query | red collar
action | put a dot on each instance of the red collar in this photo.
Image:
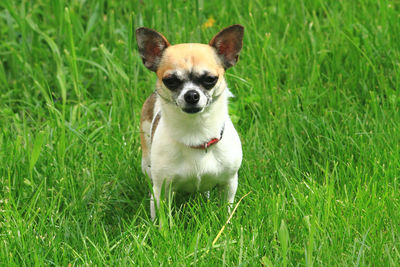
(211, 142)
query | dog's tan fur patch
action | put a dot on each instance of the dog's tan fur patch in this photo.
(145, 123)
(191, 57)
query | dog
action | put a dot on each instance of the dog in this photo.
(188, 140)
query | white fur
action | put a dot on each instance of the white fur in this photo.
(186, 169)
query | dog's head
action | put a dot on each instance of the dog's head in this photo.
(190, 75)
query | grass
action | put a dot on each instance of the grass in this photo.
(317, 109)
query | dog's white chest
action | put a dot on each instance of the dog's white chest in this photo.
(200, 171)
(189, 170)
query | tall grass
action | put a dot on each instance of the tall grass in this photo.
(316, 106)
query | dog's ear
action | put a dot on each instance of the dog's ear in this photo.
(228, 44)
(151, 47)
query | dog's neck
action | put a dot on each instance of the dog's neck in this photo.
(195, 129)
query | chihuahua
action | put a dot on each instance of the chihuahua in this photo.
(187, 137)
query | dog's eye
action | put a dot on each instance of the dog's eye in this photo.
(172, 82)
(209, 81)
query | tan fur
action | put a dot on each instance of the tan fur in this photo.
(146, 119)
(154, 125)
(190, 57)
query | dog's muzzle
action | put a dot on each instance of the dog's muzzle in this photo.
(191, 97)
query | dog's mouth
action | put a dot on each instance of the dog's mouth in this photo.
(192, 110)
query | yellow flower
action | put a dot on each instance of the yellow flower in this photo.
(209, 23)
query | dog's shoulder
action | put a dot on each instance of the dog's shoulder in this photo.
(146, 120)
(148, 108)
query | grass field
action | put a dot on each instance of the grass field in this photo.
(317, 108)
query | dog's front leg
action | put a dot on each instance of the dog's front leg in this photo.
(230, 190)
(156, 194)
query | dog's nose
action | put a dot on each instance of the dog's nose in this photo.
(192, 97)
